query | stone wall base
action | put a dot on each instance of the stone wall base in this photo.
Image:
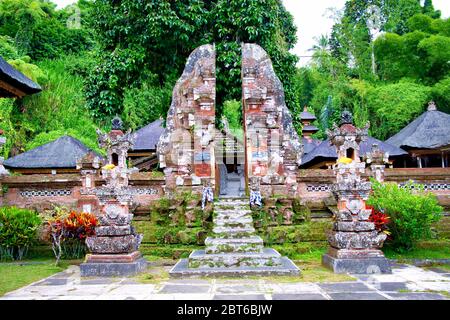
(367, 265)
(113, 265)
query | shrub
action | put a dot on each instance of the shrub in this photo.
(18, 229)
(68, 232)
(411, 212)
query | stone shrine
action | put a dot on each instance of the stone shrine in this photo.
(354, 242)
(114, 248)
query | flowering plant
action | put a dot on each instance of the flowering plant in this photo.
(380, 219)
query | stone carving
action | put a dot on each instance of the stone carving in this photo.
(186, 148)
(354, 242)
(114, 248)
(273, 147)
(377, 160)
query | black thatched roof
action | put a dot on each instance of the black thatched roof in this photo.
(326, 151)
(60, 153)
(310, 145)
(16, 79)
(147, 137)
(431, 130)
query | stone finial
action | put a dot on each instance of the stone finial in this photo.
(432, 106)
(346, 117)
(117, 123)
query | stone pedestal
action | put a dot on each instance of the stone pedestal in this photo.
(234, 249)
(114, 247)
(113, 265)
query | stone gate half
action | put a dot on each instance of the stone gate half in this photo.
(273, 148)
(185, 149)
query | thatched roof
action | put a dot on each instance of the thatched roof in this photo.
(60, 153)
(431, 130)
(147, 137)
(309, 145)
(305, 115)
(16, 80)
(326, 151)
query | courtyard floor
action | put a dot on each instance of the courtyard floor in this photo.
(405, 283)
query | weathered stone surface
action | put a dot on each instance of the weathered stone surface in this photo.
(120, 244)
(111, 258)
(234, 249)
(113, 269)
(356, 240)
(365, 265)
(273, 147)
(113, 230)
(186, 148)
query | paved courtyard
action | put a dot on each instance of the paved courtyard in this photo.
(406, 283)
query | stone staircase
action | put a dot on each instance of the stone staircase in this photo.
(234, 248)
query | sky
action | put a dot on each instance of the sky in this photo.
(312, 18)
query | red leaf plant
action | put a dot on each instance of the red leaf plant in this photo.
(380, 219)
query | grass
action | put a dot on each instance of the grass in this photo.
(21, 273)
(433, 249)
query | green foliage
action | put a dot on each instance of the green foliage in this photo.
(145, 104)
(40, 30)
(411, 212)
(17, 232)
(232, 111)
(7, 49)
(394, 106)
(441, 94)
(143, 38)
(58, 110)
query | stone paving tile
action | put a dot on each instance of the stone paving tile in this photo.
(345, 287)
(357, 296)
(137, 289)
(435, 285)
(438, 270)
(171, 288)
(301, 296)
(239, 297)
(238, 289)
(301, 287)
(98, 281)
(189, 281)
(52, 282)
(417, 296)
(390, 286)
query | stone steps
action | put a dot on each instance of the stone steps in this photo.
(267, 258)
(220, 245)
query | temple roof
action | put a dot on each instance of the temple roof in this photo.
(326, 150)
(309, 145)
(430, 130)
(60, 153)
(305, 115)
(147, 137)
(15, 80)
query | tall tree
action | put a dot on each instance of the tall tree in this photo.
(139, 39)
